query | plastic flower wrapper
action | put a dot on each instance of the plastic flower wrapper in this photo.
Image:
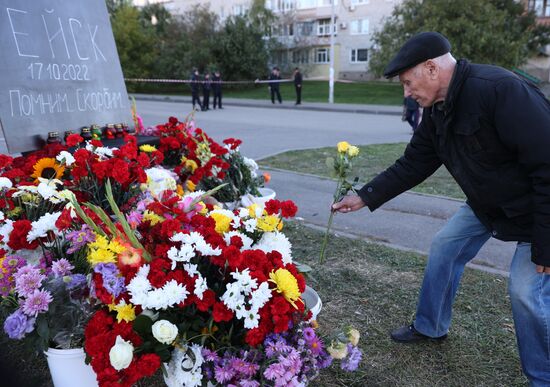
(339, 168)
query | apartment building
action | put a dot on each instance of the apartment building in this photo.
(539, 65)
(303, 30)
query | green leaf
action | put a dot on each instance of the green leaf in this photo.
(142, 325)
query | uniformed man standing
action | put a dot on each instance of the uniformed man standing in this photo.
(217, 89)
(195, 87)
(298, 85)
(274, 78)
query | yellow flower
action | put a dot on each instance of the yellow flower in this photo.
(255, 211)
(353, 336)
(125, 312)
(343, 146)
(269, 223)
(353, 151)
(223, 222)
(147, 148)
(101, 256)
(116, 247)
(287, 285)
(190, 186)
(101, 243)
(48, 168)
(179, 190)
(152, 217)
(189, 164)
(338, 350)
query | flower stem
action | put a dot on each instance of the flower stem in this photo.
(325, 239)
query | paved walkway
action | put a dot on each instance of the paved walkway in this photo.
(407, 222)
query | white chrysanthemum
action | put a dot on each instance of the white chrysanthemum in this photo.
(250, 225)
(207, 249)
(5, 183)
(276, 241)
(24, 189)
(243, 212)
(174, 292)
(246, 240)
(156, 299)
(183, 254)
(138, 286)
(160, 180)
(42, 226)
(200, 286)
(102, 152)
(191, 268)
(260, 296)
(5, 231)
(46, 190)
(2, 217)
(251, 319)
(251, 164)
(245, 281)
(66, 158)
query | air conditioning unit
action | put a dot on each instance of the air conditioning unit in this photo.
(351, 7)
(343, 25)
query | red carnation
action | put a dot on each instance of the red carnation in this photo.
(288, 209)
(74, 139)
(220, 312)
(18, 236)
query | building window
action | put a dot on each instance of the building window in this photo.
(305, 28)
(359, 1)
(540, 7)
(304, 4)
(240, 10)
(300, 56)
(359, 27)
(323, 27)
(280, 5)
(359, 55)
(322, 55)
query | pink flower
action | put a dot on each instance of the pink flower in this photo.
(37, 302)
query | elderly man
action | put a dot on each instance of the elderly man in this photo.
(491, 130)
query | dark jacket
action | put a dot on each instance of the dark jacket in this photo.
(216, 84)
(274, 77)
(298, 79)
(206, 85)
(195, 83)
(493, 135)
(411, 104)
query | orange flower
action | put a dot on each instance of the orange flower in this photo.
(130, 256)
(48, 168)
(267, 177)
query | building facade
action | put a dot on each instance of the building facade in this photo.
(303, 29)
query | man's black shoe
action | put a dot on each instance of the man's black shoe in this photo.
(407, 334)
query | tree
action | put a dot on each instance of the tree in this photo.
(135, 43)
(485, 31)
(241, 49)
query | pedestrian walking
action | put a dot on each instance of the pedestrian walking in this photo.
(195, 87)
(491, 130)
(298, 85)
(206, 87)
(274, 79)
(217, 89)
(411, 112)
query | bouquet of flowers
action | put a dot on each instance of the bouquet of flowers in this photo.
(241, 177)
(339, 168)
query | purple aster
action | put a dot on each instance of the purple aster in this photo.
(13, 262)
(223, 374)
(274, 371)
(75, 281)
(27, 280)
(37, 302)
(17, 325)
(209, 355)
(309, 334)
(351, 362)
(249, 383)
(61, 267)
(79, 238)
(316, 346)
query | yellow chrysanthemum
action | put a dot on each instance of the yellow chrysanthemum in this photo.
(152, 217)
(353, 151)
(116, 247)
(101, 243)
(203, 210)
(223, 222)
(147, 148)
(179, 190)
(343, 146)
(48, 168)
(190, 165)
(268, 223)
(254, 210)
(101, 256)
(190, 186)
(125, 312)
(287, 285)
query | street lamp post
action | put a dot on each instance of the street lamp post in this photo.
(331, 54)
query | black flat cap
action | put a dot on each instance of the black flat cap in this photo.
(419, 48)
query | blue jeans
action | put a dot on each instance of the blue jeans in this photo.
(454, 246)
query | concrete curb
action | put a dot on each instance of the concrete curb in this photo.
(314, 106)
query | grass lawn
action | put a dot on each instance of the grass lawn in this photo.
(374, 288)
(379, 93)
(372, 159)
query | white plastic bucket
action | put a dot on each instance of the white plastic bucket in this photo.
(313, 302)
(266, 195)
(68, 368)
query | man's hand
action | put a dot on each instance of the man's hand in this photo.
(543, 269)
(348, 204)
